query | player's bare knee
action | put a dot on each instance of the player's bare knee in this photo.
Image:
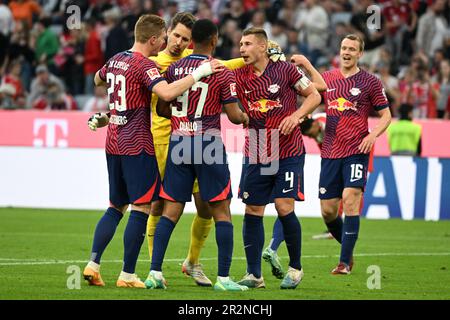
(144, 208)
(329, 209)
(284, 207)
(122, 209)
(254, 210)
(351, 199)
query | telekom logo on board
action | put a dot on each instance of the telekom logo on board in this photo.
(50, 133)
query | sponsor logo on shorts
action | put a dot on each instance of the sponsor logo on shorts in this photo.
(245, 195)
(322, 190)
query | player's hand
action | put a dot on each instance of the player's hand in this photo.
(309, 116)
(207, 68)
(216, 66)
(300, 61)
(245, 121)
(367, 143)
(288, 124)
(98, 120)
(274, 51)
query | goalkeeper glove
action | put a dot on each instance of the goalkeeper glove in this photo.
(98, 120)
(274, 51)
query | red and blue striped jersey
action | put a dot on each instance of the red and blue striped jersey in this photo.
(197, 111)
(348, 104)
(268, 99)
(130, 77)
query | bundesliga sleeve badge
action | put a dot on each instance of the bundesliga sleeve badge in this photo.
(153, 73)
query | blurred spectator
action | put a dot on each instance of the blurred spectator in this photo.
(290, 13)
(187, 5)
(99, 102)
(401, 21)
(432, 31)
(405, 136)
(135, 10)
(97, 10)
(7, 92)
(93, 56)
(55, 99)
(259, 20)
(72, 54)
(279, 35)
(313, 26)
(237, 12)
(116, 38)
(21, 50)
(418, 90)
(390, 84)
(293, 45)
(204, 12)
(226, 43)
(12, 78)
(24, 10)
(6, 28)
(373, 38)
(41, 83)
(171, 11)
(443, 80)
(47, 44)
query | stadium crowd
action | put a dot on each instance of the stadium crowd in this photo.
(44, 64)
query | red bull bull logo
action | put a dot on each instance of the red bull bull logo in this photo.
(264, 105)
(342, 104)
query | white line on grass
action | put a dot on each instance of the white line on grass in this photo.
(31, 262)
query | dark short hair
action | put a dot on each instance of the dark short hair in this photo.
(187, 19)
(306, 125)
(203, 31)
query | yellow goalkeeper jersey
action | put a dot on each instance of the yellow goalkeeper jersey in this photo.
(160, 125)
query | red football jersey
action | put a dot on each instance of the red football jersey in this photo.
(197, 110)
(130, 77)
(348, 104)
(268, 99)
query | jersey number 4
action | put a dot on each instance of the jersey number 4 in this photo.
(120, 104)
(184, 99)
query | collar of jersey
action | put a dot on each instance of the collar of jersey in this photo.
(197, 56)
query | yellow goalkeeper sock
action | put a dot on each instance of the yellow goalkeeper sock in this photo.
(151, 227)
(199, 232)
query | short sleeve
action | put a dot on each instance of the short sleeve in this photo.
(377, 95)
(299, 78)
(103, 71)
(150, 74)
(228, 92)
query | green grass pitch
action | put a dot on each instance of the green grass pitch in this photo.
(38, 247)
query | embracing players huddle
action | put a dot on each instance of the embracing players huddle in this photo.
(163, 148)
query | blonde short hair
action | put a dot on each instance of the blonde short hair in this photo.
(147, 26)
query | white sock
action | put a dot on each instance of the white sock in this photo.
(126, 276)
(94, 266)
(223, 279)
(157, 274)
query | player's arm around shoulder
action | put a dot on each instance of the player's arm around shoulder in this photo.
(170, 91)
(311, 102)
(301, 61)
